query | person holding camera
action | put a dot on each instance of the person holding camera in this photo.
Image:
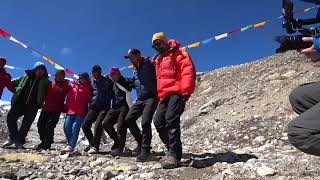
(304, 131)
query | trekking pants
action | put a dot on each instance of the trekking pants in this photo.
(304, 131)
(96, 117)
(145, 109)
(167, 123)
(29, 113)
(47, 122)
(116, 116)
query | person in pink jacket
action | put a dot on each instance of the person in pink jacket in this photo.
(78, 99)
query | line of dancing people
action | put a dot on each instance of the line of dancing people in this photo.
(163, 85)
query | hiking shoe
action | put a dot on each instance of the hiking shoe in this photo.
(19, 146)
(7, 143)
(163, 158)
(87, 148)
(116, 152)
(40, 147)
(143, 157)
(115, 146)
(68, 149)
(170, 162)
(136, 151)
(93, 150)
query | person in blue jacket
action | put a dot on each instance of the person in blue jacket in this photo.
(144, 81)
(99, 106)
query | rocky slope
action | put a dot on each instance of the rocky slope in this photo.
(234, 127)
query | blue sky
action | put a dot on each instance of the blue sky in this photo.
(81, 33)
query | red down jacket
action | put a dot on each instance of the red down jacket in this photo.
(78, 98)
(56, 95)
(175, 72)
(5, 81)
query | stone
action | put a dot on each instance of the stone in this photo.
(211, 105)
(156, 166)
(272, 77)
(22, 173)
(146, 175)
(50, 175)
(259, 140)
(133, 168)
(289, 74)
(217, 177)
(265, 171)
(112, 174)
(64, 156)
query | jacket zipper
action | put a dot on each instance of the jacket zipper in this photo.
(34, 83)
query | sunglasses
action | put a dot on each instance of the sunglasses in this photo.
(156, 43)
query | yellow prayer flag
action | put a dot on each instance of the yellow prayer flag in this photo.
(48, 59)
(194, 45)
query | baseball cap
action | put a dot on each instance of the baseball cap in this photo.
(132, 51)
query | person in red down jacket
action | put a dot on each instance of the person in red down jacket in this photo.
(78, 99)
(5, 78)
(53, 107)
(175, 74)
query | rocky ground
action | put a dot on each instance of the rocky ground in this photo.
(234, 127)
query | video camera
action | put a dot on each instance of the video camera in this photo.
(296, 25)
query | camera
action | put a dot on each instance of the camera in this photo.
(291, 43)
(295, 25)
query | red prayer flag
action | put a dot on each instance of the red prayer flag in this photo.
(4, 34)
(234, 31)
(69, 72)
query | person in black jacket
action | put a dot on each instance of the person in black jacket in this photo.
(144, 81)
(118, 112)
(98, 109)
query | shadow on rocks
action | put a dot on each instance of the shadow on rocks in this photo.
(209, 159)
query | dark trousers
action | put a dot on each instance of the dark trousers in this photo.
(145, 109)
(96, 117)
(167, 123)
(47, 122)
(116, 116)
(29, 113)
(304, 131)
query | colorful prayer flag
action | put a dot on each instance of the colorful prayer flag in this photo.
(246, 28)
(308, 9)
(69, 79)
(207, 41)
(58, 67)
(194, 45)
(69, 72)
(4, 34)
(48, 59)
(221, 36)
(260, 24)
(76, 76)
(16, 41)
(123, 68)
(8, 67)
(298, 11)
(234, 31)
(185, 48)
